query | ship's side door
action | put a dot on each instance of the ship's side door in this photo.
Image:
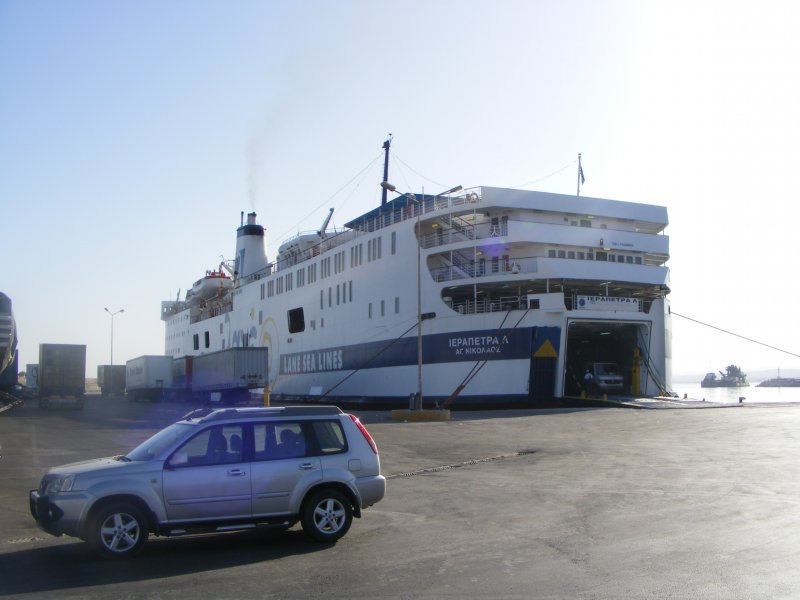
(207, 478)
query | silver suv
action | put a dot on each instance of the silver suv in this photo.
(219, 470)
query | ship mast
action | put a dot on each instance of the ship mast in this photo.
(386, 146)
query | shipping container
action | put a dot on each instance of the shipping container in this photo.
(62, 372)
(111, 379)
(228, 375)
(32, 375)
(148, 377)
(182, 378)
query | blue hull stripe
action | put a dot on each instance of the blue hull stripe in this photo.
(471, 346)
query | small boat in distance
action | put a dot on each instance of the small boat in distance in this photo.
(732, 377)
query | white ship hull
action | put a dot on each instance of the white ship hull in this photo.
(518, 288)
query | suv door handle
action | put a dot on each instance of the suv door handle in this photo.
(236, 472)
(306, 466)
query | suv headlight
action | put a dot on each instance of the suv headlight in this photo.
(61, 483)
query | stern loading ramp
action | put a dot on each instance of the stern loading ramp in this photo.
(590, 341)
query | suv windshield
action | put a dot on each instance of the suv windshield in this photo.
(605, 369)
(153, 446)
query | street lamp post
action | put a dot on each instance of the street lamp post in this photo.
(121, 310)
(389, 187)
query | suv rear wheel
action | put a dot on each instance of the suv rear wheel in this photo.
(327, 515)
(118, 531)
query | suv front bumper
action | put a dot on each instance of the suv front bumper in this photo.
(45, 513)
(59, 517)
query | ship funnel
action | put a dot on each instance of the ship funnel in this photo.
(251, 257)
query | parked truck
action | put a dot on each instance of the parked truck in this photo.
(228, 375)
(111, 379)
(148, 377)
(182, 378)
(62, 373)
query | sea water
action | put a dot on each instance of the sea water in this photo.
(731, 395)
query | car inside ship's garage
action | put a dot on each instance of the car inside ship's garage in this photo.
(601, 342)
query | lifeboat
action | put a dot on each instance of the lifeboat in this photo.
(215, 283)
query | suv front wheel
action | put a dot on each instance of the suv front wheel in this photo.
(118, 531)
(327, 515)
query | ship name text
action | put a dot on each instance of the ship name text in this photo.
(481, 344)
(310, 362)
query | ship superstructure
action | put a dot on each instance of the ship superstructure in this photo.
(516, 291)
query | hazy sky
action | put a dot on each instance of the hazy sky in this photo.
(132, 135)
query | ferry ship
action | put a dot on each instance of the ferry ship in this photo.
(8, 346)
(484, 296)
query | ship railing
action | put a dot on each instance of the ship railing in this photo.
(199, 314)
(455, 234)
(463, 268)
(506, 303)
(503, 304)
(428, 205)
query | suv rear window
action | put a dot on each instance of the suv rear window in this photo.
(329, 436)
(294, 439)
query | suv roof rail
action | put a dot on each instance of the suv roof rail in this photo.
(216, 414)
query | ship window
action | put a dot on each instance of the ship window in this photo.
(350, 286)
(589, 256)
(495, 264)
(321, 300)
(313, 324)
(207, 339)
(394, 242)
(338, 294)
(279, 287)
(220, 328)
(629, 259)
(551, 253)
(297, 321)
(397, 305)
(260, 317)
(603, 256)
(571, 254)
(383, 308)
(262, 291)
(562, 254)
(330, 297)
(533, 304)
(612, 258)
(289, 281)
(369, 310)
(196, 341)
(638, 260)
(379, 247)
(301, 278)
(586, 223)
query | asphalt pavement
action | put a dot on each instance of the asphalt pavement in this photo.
(597, 503)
